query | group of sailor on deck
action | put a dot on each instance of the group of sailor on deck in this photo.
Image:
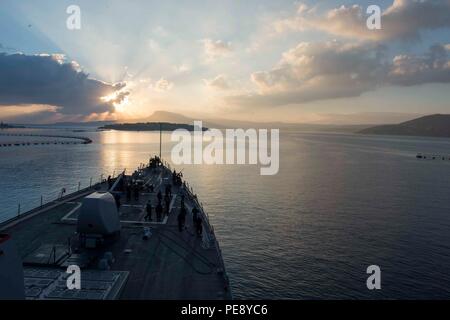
(132, 188)
(197, 221)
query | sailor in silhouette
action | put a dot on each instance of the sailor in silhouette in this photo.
(148, 209)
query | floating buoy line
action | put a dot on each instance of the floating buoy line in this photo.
(432, 156)
(79, 140)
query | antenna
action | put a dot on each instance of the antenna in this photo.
(160, 140)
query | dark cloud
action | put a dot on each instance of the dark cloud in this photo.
(49, 80)
(39, 117)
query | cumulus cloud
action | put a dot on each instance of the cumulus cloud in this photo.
(160, 31)
(220, 82)
(182, 68)
(49, 80)
(216, 49)
(433, 66)
(153, 45)
(404, 19)
(332, 69)
(162, 85)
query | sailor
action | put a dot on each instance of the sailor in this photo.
(121, 184)
(194, 215)
(199, 226)
(159, 210)
(159, 195)
(182, 201)
(128, 192)
(174, 176)
(167, 202)
(109, 182)
(168, 190)
(148, 209)
(117, 200)
(136, 192)
(181, 219)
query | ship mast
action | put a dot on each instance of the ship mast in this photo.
(160, 140)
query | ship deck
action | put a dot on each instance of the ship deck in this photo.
(168, 265)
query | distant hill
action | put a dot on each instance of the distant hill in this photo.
(82, 124)
(149, 126)
(70, 125)
(172, 117)
(165, 116)
(437, 125)
(9, 126)
(221, 123)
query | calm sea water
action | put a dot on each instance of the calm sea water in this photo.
(340, 203)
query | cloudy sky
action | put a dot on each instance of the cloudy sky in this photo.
(261, 60)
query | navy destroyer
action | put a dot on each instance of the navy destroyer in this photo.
(143, 235)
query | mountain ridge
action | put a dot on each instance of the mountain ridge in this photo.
(219, 123)
(435, 125)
